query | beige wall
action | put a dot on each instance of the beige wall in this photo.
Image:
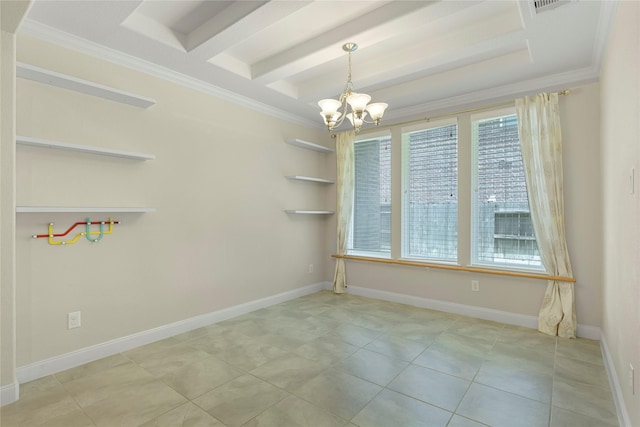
(219, 237)
(581, 161)
(620, 82)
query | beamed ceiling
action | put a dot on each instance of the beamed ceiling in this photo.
(281, 57)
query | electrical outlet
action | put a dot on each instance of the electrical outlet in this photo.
(475, 286)
(632, 379)
(310, 268)
(73, 320)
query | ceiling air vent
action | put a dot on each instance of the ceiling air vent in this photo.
(544, 5)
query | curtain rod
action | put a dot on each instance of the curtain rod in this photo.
(453, 113)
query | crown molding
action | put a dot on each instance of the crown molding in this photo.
(504, 93)
(49, 34)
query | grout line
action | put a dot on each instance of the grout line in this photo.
(356, 310)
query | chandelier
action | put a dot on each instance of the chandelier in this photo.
(355, 106)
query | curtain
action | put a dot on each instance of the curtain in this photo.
(541, 142)
(345, 172)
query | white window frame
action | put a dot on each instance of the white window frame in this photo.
(473, 236)
(404, 239)
(371, 254)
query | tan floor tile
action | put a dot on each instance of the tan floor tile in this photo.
(100, 385)
(455, 355)
(150, 350)
(394, 409)
(526, 337)
(92, 368)
(397, 347)
(371, 366)
(75, 418)
(38, 407)
(459, 421)
(592, 401)
(239, 400)
(477, 329)
(50, 382)
(442, 359)
(355, 335)
(536, 359)
(198, 377)
(513, 379)
(134, 406)
(220, 340)
(373, 322)
(293, 411)
(501, 409)
(580, 349)
(289, 372)
(172, 358)
(584, 372)
(563, 418)
(423, 332)
(326, 350)
(433, 387)
(249, 355)
(187, 415)
(188, 336)
(339, 393)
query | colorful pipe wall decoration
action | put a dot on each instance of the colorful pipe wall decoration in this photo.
(86, 233)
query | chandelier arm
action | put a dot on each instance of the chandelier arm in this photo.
(342, 116)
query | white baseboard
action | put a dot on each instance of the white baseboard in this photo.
(584, 331)
(616, 390)
(9, 393)
(70, 360)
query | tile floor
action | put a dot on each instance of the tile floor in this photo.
(333, 360)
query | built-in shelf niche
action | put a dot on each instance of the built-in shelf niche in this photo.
(82, 209)
(308, 212)
(42, 75)
(43, 143)
(309, 145)
(310, 179)
(315, 147)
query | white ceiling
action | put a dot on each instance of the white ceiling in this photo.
(282, 56)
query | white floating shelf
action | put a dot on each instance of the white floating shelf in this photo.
(37, 142)
(62, 209)
(53, 78)
(310, 179)
(303, 212)
(310, 146)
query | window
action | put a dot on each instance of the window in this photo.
(430, 193)
(371, 225)
(462, 191)
(502, 231)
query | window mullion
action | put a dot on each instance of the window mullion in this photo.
(397, 183)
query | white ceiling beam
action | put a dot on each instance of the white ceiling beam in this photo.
(151, 28)
(472, 40)
(210, 39)
(322, 49)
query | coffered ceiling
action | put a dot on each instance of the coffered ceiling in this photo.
(282, 56)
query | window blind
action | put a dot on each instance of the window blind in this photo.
(502, 231)
(371, 227)
(430, 196)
